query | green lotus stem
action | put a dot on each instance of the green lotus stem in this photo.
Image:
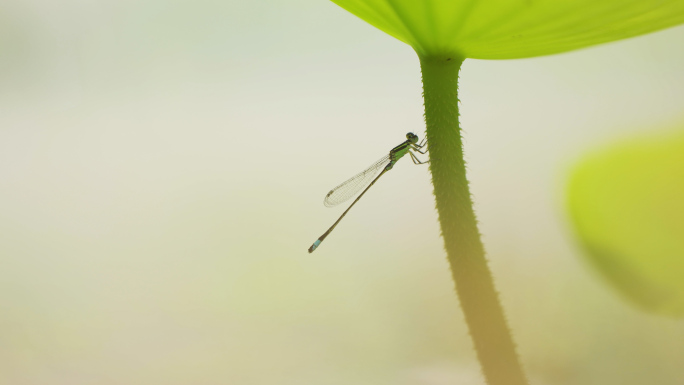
(474, 284)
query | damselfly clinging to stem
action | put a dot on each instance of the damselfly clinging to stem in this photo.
(349, 188)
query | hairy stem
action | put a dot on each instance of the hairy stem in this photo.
(474, 284)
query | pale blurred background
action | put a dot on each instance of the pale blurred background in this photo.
(162, 170)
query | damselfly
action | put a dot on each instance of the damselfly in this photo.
(352, 186)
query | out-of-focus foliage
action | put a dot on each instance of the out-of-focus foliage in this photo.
(627, 206)
(508, 29)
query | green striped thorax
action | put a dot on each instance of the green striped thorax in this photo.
(398, 152)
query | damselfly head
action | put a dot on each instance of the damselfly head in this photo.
(412, 137)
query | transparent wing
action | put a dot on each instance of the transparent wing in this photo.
(354, 184)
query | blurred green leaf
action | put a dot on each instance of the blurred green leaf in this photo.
(627, 206)
(508, 29)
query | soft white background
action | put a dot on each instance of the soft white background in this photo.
(162, 169)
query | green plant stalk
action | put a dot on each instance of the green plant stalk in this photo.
(474, 284)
